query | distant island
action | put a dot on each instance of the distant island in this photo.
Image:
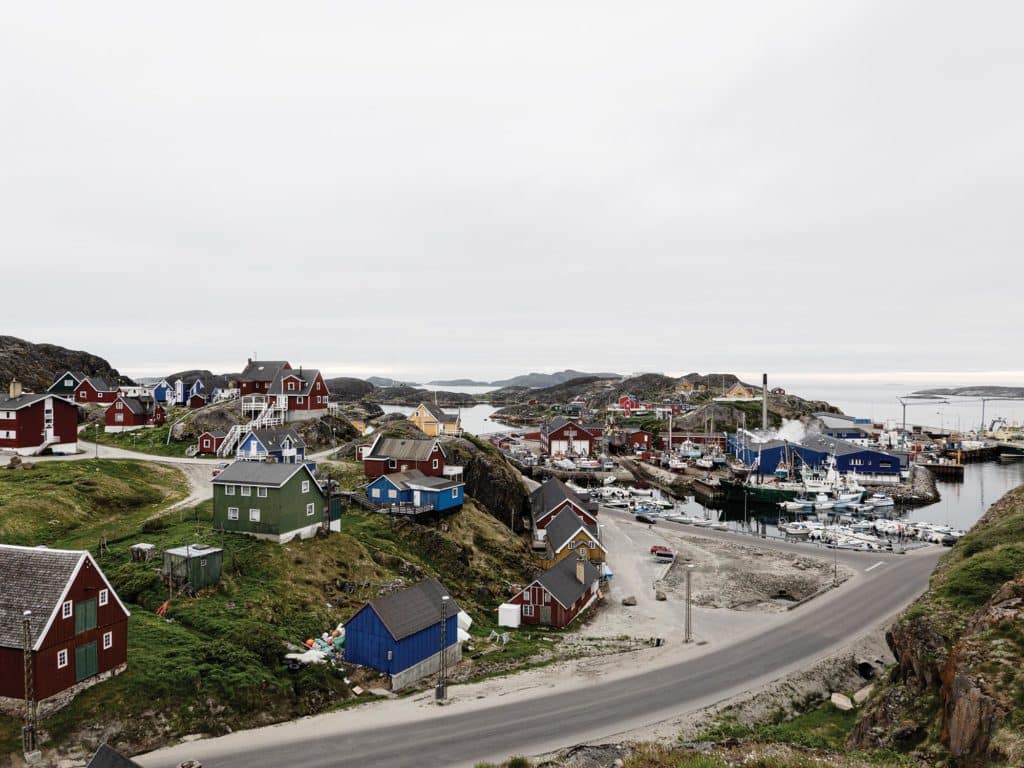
(975, 391)
(458, 383)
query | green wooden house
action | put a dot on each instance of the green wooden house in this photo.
(277, 502)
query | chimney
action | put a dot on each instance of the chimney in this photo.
(14, 390)
(248, 362)
(581, 561)
(764, 402)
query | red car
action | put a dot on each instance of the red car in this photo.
(661, 549)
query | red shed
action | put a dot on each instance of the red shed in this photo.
(30, 424)
(78, 625)
(392, 454)
(209, 442)
(197, 401)
(559, 594)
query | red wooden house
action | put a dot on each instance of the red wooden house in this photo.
(209, 442)
(259, 375)
(561, 437)
(78, 626)
(559, 594)
(554, 496)
(392, 454)
(640, 440)
(30, 424)
(130, 413)
(304, 389)
(196, 401)
(93, 389)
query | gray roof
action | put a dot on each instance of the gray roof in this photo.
(305, 375)
(105, 757)
(550, 494)
(262, 370)
(560, 421)
(136, 406)
(258, 473)
(34, 579)
(413, 478)
(100, 385)
(835, 445)
(271, 438)
(21, 401)
(402, 449)
(441, 416)
(560, 580)
(563, 526)
(412, 609)
(215, 433)
(193, 550)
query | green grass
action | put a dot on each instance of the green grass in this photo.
(152, 440)
(74, 503)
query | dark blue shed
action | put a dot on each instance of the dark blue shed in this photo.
(399, 631)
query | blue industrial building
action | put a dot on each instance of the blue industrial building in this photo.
(812, 451)
(415, 489)
(400, 634)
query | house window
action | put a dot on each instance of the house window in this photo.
(261, 493)
(67, 610)
(120, 405)
(375, 493)
(67, 382)
(455, 492)
(301, 399)
(392, 493)
(108, 640)
(104, 597)
(229, 490)
(547, 599)
(81, 394)
(434, 464)
(305, 486)
(526, 595)
(291, 386)
(232, 513)
(246, 490)
(528, 610)
(206, 442)
(254, 515)
(62, 658)
(310, 510)
(119, 417)
(392, 463)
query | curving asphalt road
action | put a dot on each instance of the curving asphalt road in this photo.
(468, 734)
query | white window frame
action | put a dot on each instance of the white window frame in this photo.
(261, 493)
(229, 490)
(108, 641)
(301, 399)
(254, 515)
(455, 492)
(434, 464)
(232, 513)
(392, 493)
(62, 658)
(67, 610)
(245, 490)
(310, 509)
(104, 597)
(528, 610)
(305, 486)
(392, 463)
(120, 404)
(375, 493)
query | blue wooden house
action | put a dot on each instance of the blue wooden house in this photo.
(413, 488)
(400, 634)
(163, 392)
(283, 445)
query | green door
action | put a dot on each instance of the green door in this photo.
(85, 616)
(86, 664)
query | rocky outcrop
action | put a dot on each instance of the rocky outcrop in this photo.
(491, 480)
(37, 365)
(346, 389)
(956, 691)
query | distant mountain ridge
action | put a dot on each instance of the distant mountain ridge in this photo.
(542, 380)
(37, 365)
(975, 391)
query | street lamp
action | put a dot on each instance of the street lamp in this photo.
(689, 619)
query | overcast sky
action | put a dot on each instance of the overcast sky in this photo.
(437, 188)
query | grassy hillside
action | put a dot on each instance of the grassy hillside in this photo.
(151, 440)
(73, 503)
(216, 662)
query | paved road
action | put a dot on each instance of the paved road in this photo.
(493, 731)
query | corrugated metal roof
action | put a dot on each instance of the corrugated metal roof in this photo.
(413, 609)
(193, 550)
(262, 370)
(402, 449)
(258, 473)
(33, 579)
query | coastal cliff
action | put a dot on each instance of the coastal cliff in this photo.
(956, 693)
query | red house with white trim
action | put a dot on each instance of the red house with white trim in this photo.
(387, 455)
(78, 625)
(209, 442)
(560, 594)
(552, 497)
(259, 375)
(93, 389)
(305, 391)
(130, 413)
(30, 424)
(561, 437)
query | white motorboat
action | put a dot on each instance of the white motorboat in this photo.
(878, 500)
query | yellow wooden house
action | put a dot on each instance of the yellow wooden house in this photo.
(434, 422)
(567, 535)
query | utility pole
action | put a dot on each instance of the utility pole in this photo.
(689, 619)
(441, 693)
(28, 732)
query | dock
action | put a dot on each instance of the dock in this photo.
(945, 470)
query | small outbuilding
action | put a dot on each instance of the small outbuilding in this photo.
(196, 565)
(400, 633)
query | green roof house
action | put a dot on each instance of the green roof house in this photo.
(270, 501)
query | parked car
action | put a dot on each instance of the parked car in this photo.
(220, 468)
(646, 519)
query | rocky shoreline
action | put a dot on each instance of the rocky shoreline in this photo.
(919, 491)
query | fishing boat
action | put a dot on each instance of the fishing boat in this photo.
(690, 450)
(704, 462)
(878, 500)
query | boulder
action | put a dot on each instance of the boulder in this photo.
(863, 694)
(841, 702)
(659, 595)
(631, 600)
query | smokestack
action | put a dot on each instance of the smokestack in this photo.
(14, 390)
(764, 402)
(581, 561)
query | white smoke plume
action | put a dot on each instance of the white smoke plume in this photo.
(792, 430)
